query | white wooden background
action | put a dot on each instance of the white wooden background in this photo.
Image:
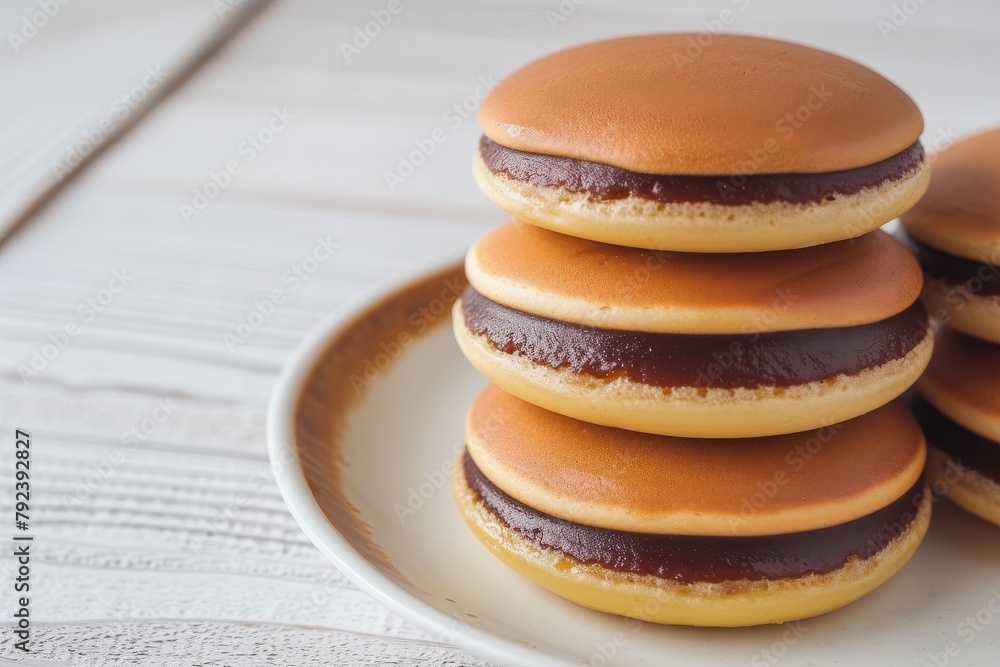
(74, 77)
(137, 558)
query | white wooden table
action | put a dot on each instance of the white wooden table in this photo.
(159, 535)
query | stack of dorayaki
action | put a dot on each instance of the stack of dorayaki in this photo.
(695, 331)
(955, 233)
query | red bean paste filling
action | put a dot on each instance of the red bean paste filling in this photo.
(696, 558)
(604, 182)
(724, 361)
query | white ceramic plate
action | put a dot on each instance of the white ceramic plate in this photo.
(366, 479)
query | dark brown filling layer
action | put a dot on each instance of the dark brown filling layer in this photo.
(604, 182)
(772, 359)
(977, 277)
(967, 449)
(696, 558)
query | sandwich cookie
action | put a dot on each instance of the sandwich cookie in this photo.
(685, 344)
(960, 413)
(955, 233)
(756, 144)
(672, 531)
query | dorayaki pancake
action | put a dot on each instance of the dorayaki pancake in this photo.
(962, 465)
(754, 144)
(955, 233)
(637, 103)
(680, 344)
(848, 505)
(622, 480)
(963, 381)
(596, 284)
(960, 212)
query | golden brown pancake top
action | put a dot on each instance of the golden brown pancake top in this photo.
(965, 371)
(663, 104)
(960, 213)
(841, 284)
(623, 480)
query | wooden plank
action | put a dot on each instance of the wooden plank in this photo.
(77, 75)
(116, 642)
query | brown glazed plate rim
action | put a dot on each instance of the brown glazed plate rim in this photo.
(432, 572)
